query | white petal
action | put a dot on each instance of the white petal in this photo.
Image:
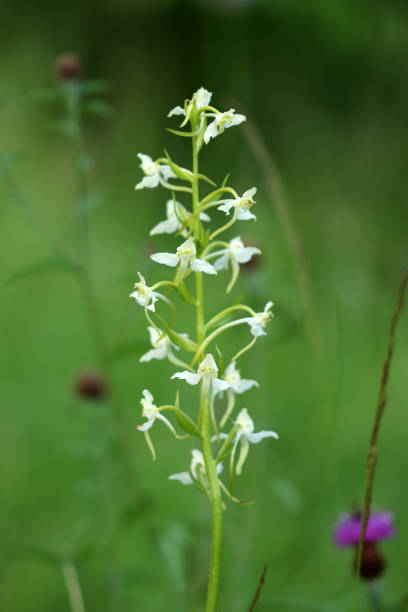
(169, 259)
(204, 217)
(165, 227)
(166, 172)
(192, 379)
(256, 328)
(254, 438)
(183, 477)
(244, 215)
(210, 132)
(221, 263)
(236, 119)
(249, 193)
(199, 265)
(244, 385)
(227, 206)
(177, 110)
(159, 353)
(146, 425)
(245, 254)
(148, 181)
(220, 385)
(243, 455)
(145, 159)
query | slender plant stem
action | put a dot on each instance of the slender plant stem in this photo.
(381, 403)
(259, 588)
(209, 460)
(73, 587)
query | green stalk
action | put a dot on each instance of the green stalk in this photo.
(210, 463)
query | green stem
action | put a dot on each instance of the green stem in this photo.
(210, 463)
(216, 504)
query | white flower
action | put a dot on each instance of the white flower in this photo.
(185, 256)
(237, 384)
(236, 252)
(144, 294)
(258, 322)
(245, 435)
(207, 372)
(151, 412)
(221, 122)
(153, 172)
(200, 98)
(241, 205)
(197, 470)
(172, 223)
(161, 345)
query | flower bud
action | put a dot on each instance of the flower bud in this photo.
(373, 562)
(91, 386)
(69, 67)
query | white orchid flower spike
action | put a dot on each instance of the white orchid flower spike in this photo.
(236, 253)
(221, 122)
(200, 99)
(245, 436)
(185, 256)
(144, 295)
(176, 214)
(207, 372)
(197, 471)
(259, 321)
(151, 413)
(241, 205)
(154, 171)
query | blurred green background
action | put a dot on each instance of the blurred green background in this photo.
(327, 87)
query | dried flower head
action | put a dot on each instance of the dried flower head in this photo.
(69, 67)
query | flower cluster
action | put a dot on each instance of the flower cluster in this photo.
(200, 253)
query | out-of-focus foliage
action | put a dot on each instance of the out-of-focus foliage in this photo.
(327, 85)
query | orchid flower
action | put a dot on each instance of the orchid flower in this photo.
(161, 343)
(245, 436)
(238, 385)
(241, 205)
(197, 471)
(185, 256)
(207, 372)
(236, 253)
(221, 122)
(144, 295)
(200, 99)
(174, 211)
(154, 171)
(151, 413)
(258, 322)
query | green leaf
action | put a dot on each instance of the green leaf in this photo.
(99, 108)
(95, 86)
(181, 173)
(47, 94)
(185, 294)
(51, 264)
(184, 343)
(185, 422)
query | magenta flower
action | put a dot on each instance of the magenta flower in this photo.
(379, 527)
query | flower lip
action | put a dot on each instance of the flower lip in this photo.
(380, 526)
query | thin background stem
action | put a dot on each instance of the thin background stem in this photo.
(381, 403)
(73, 586)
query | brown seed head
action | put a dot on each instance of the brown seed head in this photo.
(69, 67)
(373, 562)
(91, 386)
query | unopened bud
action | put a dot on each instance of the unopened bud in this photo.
(91, 386)
(69, 67)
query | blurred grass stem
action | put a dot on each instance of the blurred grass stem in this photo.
(73, 587)
(381, 403)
